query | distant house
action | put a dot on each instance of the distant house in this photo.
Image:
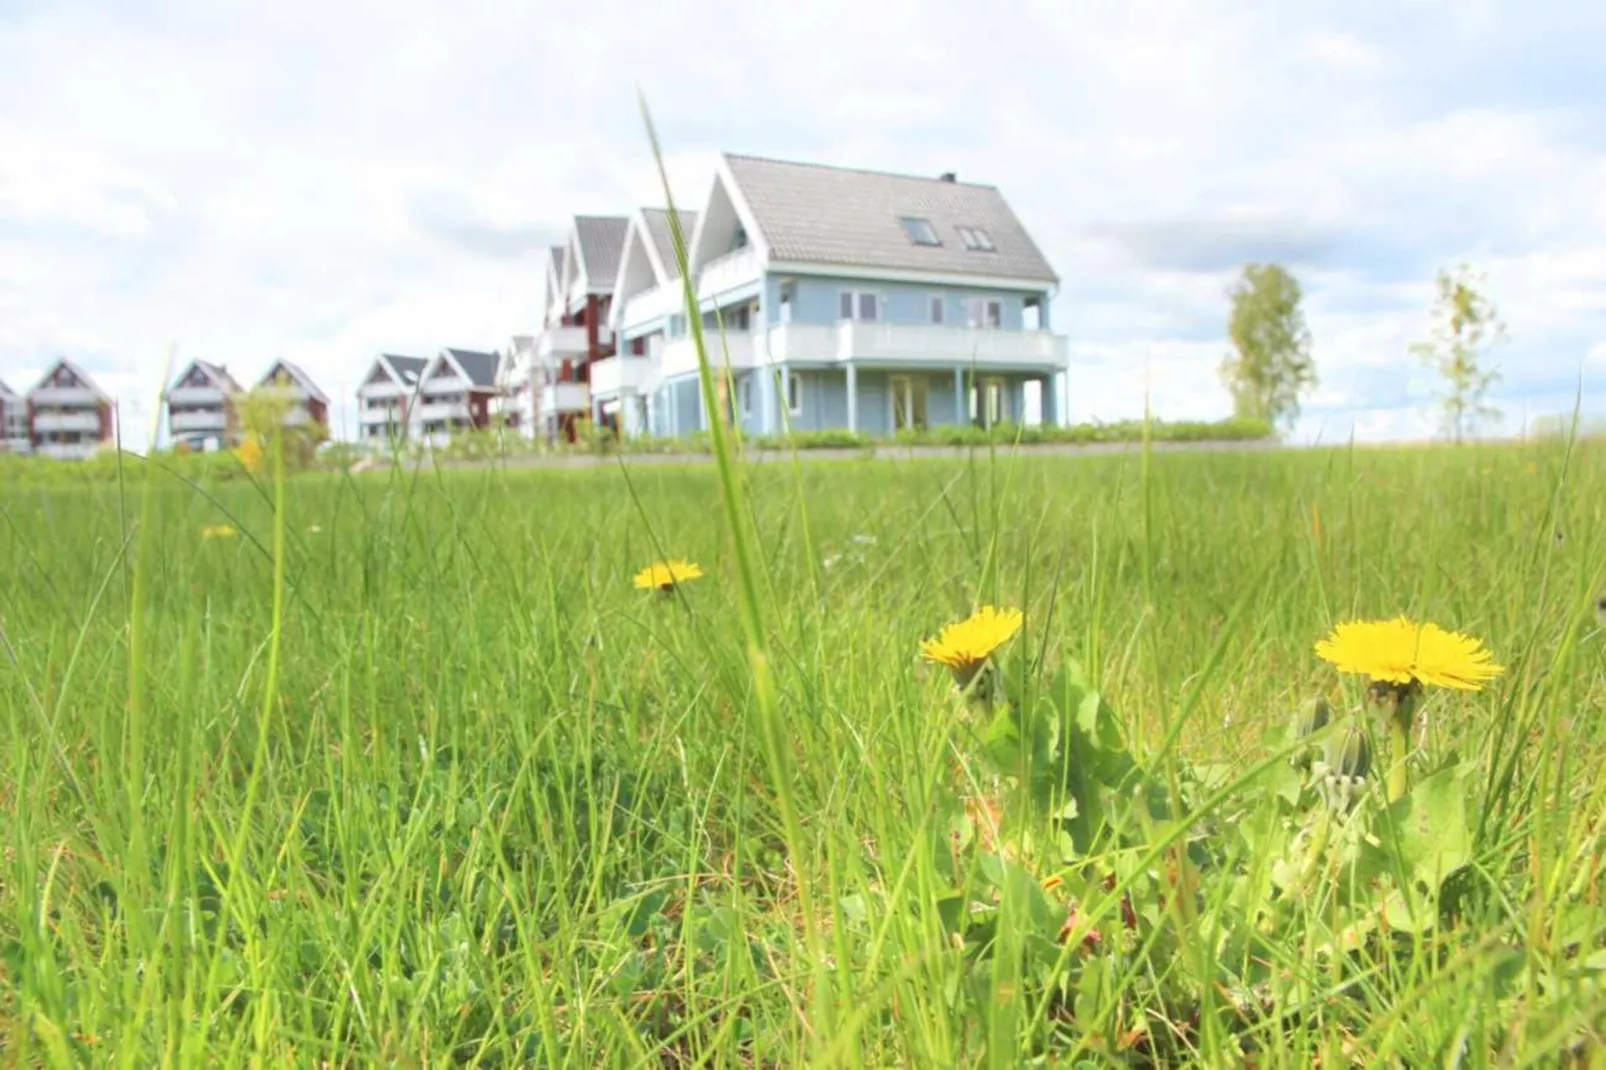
(308, 404)
(201, 407)
(648, 307)
(852, 299)
(456, 394)
(13, 422)
(386, 397)
(69, 417)
(575, 335)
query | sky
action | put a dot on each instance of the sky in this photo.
(324, 181)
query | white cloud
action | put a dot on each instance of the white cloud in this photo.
(324, 181)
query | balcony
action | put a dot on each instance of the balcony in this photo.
(211, 421)
(68, 451)
(565, 397)
(382, 391)
(186, 396)
(383, 414)
(618, 374)
(894, 344)
(65, 395)
(77, 423)
(745, 348)
(729, 272)
(566, 343)
(436, 412)
(649, 306)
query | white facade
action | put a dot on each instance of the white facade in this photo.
(70, 418)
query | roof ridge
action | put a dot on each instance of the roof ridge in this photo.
(878, 172)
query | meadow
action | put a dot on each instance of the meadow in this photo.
(402, 769)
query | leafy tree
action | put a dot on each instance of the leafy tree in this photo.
(1464, 324)
(1270, 364)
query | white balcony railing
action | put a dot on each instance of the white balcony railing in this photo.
(196, 395)
(649, 306)
(443, 411)
(214, 421)
(382, 390)
(444, 384)
(559, 343)
(80, 423)
(619, 374)
(565, 397)
(746, 349)
(889, 343)
(383, 414)
(64, 395)
(726, 273)
(68, 451)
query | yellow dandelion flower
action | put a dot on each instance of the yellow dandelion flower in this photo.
(965, 647)
(250, 455)
(1402, 652)
(219, 531)
(665, 575)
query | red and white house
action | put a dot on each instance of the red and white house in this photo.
(308, 404)
(69, 417)
(456, 393)
(386, 398)
(576, 332)
(13, 422)
(201, 409)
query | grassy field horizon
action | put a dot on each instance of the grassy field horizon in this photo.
(402, 768)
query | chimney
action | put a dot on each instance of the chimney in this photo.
(948, 176)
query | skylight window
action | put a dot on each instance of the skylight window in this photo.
(920, 231)
(976, 240)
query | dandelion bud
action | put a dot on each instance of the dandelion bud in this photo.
(1311, 717)
(1349, 753)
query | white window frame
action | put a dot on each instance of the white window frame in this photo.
(788, 294)
(913, 223)
(978, 308)
(937, 309)
(856, 301)
(744, 396)
(906, 382)
(794, 393)
(976, 239)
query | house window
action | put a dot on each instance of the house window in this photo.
(1032, 314)
(976, 239)
(860, 305)
(986, 312)
(744, 396)
(794, 393)
(938, 309)
(909, 394)
(788, 290)
(920, 231)
(738, 238)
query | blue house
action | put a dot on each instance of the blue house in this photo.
(847, 299)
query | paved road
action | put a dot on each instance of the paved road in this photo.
(901, 453)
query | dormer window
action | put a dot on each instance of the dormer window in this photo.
(920, 231)
(738, 238)
(976, 239)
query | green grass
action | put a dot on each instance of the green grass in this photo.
(419, 779)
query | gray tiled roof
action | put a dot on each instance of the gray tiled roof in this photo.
(663, 239)
(6, 391)
(602, 240)
(479, 367)
(409, 368)
(557, 252)
(813, 214)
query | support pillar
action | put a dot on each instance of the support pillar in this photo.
(853, 397)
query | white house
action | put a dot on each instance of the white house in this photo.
(13, 422)
(308, 404)
(576, 334)
(201, 407)
(69, 417)
(648, 306)
(456, 393)
(386, 397)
